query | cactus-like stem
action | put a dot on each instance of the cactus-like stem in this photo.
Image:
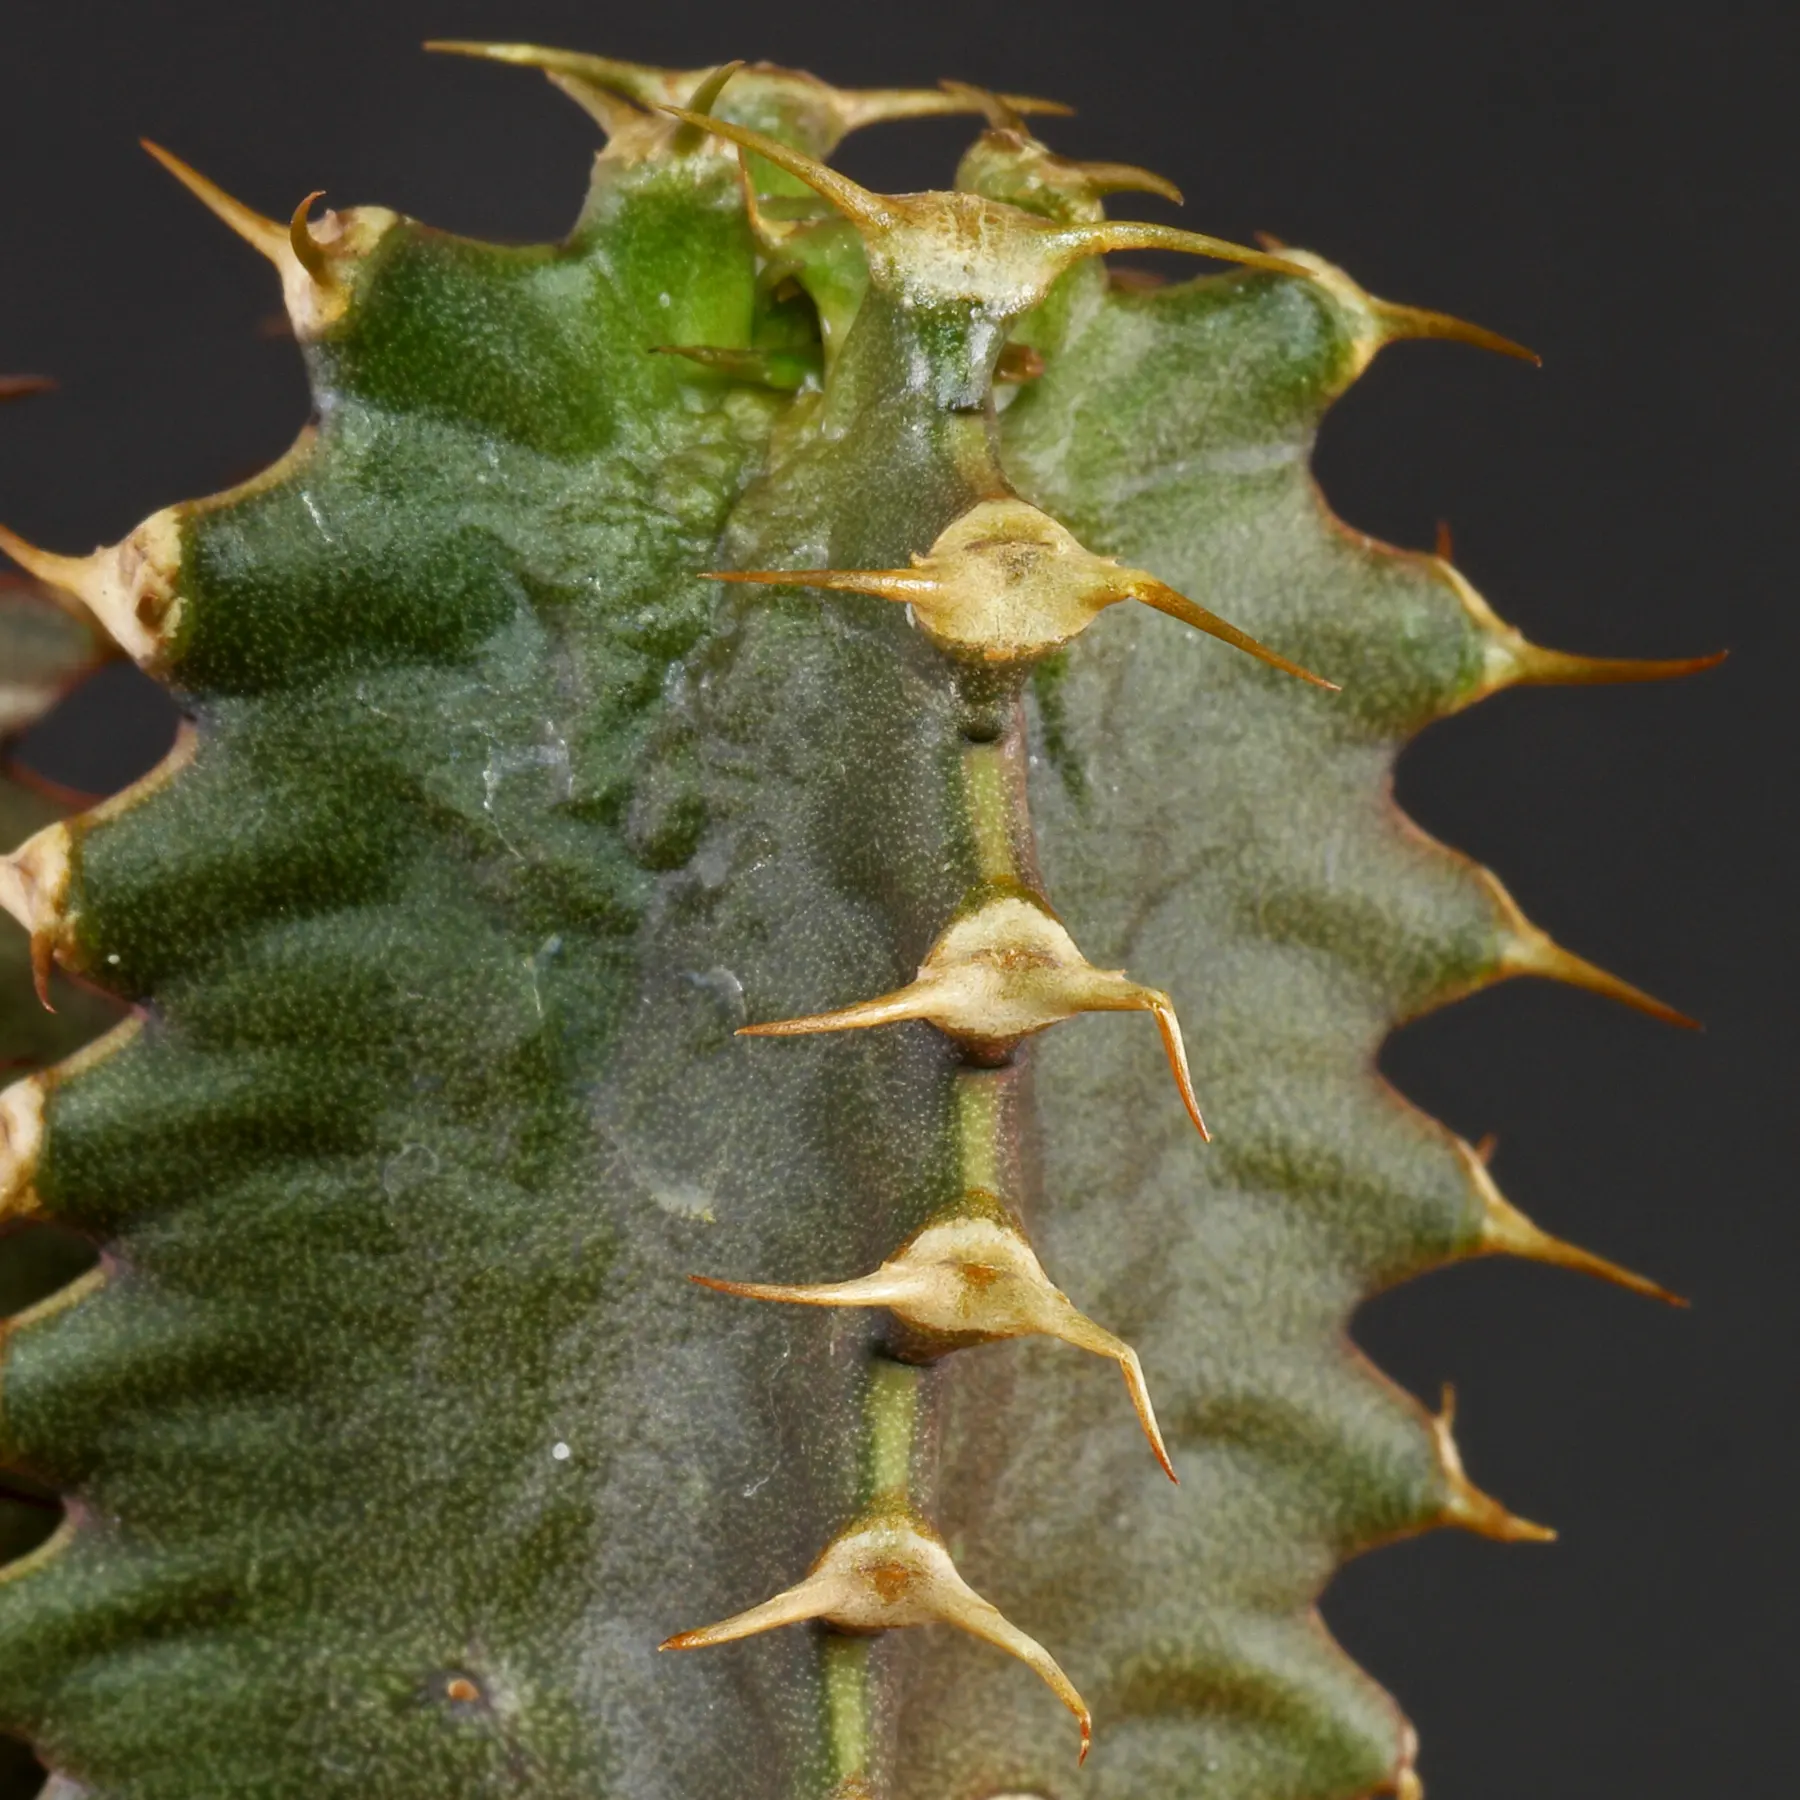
(524, 776)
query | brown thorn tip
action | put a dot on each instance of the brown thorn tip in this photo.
(1418, 322)
(1444, 547)
(16, 387)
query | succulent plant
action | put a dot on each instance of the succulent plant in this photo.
(708, 630)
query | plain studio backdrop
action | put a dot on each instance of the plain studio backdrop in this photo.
(1594, 180)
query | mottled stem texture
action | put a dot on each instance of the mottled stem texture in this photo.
(763, 786)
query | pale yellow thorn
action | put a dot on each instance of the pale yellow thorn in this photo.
(1466, 1505)
(1000, 972)
(1375, 323)
(1509, 659)
(21, 1146)
(129, 588)
(309, 259)
(1505, 1231)
(261, 234)
(933, 248)
(966, 1276)
(1534, 952)
(34, 889)
(1399, 322)
(873, 212)
(1000, 114)
(887, 1570)
(1004, 582)
(1085, 178)
(870, 106)
(1126, 178)
(831, 112)
(628, 128)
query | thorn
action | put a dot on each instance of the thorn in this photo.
(689, 138)
(1374, 323)
(1529, 951)
(129, 588)
(856, 203)
(999, 113)
(1466, 1504)
(1110, 235)
(1505, 1231)
(1397, 322)
(306, 248)
(710, 87)
(1004, 969)
(1534, 666)
(906, 588)
(1267, 240)
(1005, 582)
(969, 1275)
(1484, 1150)
(871, 106)
(917, 242)
(1176, 1051)
(260, 234)
(617, 118)
(16, 387)
(34, 886)
(890, 1569)
(1509, 660)
(1019, 363)
(1097, 177)
(310, 270)
(21, 1146)
(1127, 178)
(832, 112)
(784, 371)
(1444, 549)
(1178, 606)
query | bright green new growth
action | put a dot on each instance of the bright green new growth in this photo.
(394, 1435)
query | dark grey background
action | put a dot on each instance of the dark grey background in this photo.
(1595, 180)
